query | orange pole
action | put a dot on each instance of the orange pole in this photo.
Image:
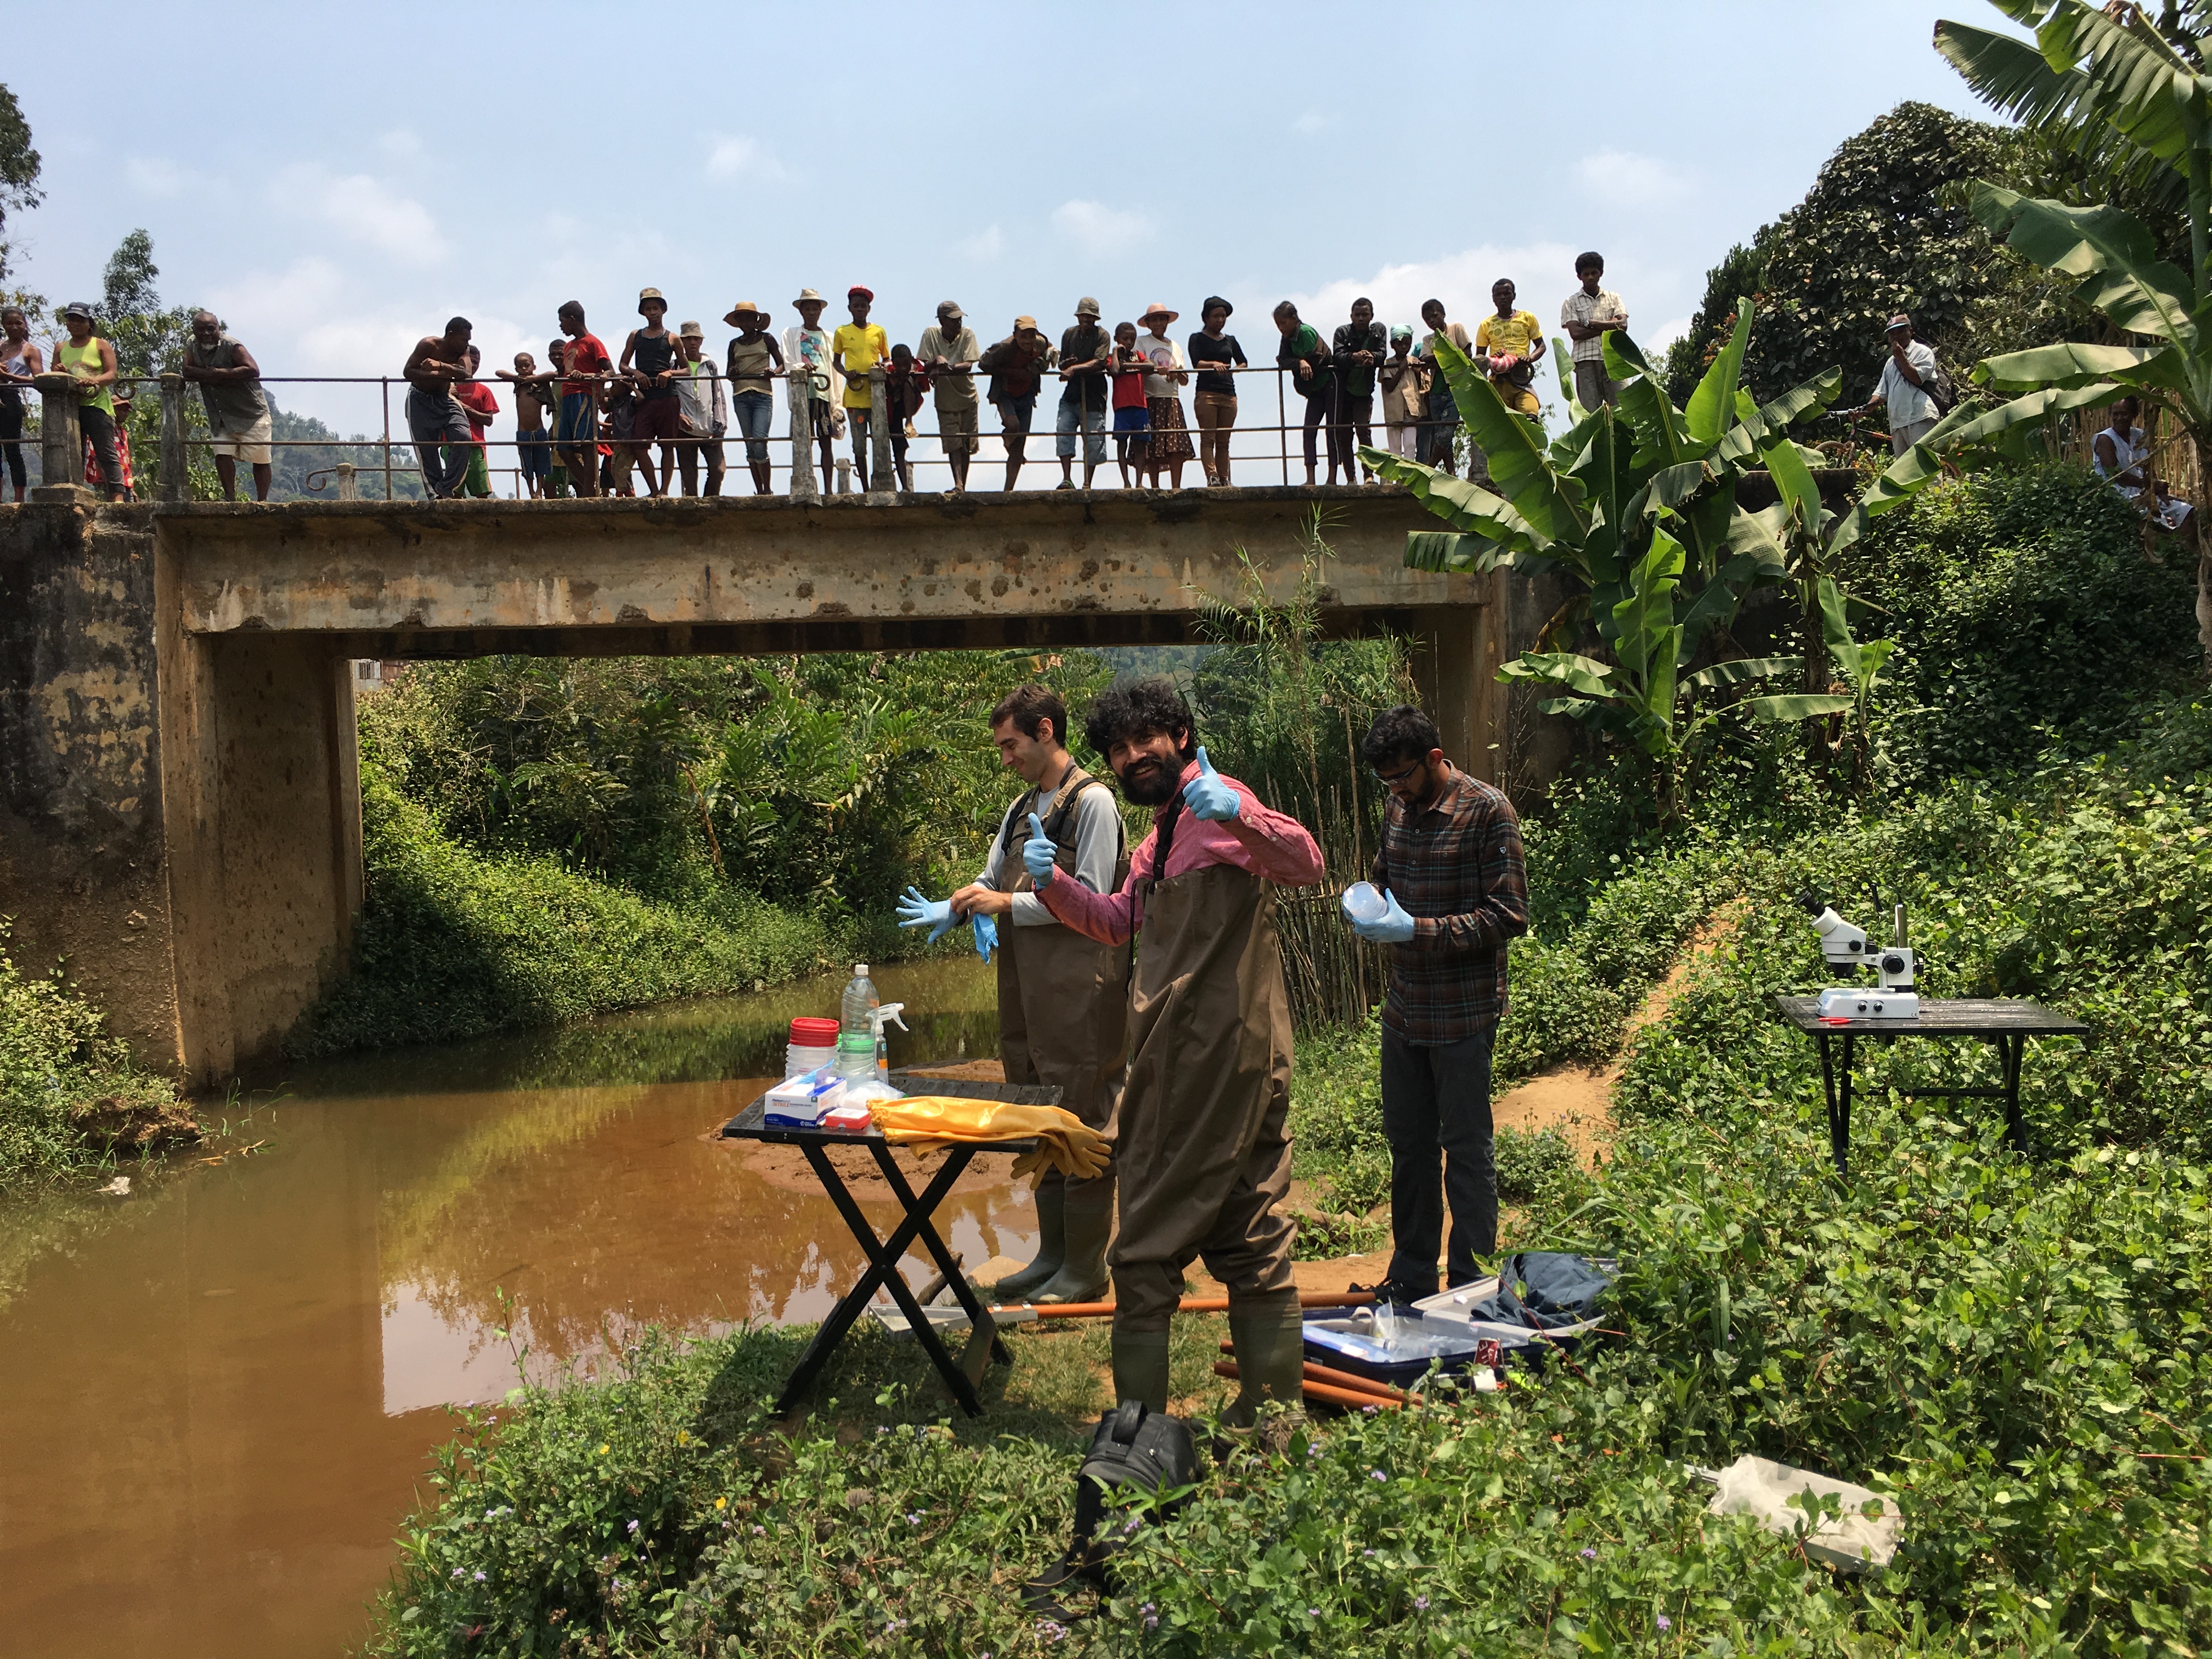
(1192, 1304)
(1355, 1398)
(1337, 1379)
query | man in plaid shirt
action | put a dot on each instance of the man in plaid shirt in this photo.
(1451, 864)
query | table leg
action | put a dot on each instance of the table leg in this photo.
(1838, 1137)
(2011, 1051)
(979, 1317)
(883, 1258)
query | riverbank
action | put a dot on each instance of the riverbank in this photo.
(2010, 1350)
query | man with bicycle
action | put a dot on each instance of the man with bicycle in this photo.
(1911, 388)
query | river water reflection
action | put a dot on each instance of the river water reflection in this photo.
(217, 1395)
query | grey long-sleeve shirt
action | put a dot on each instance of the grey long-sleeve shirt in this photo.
(1097, 847)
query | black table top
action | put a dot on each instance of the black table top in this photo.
(748, 1125)
(1962, 1017)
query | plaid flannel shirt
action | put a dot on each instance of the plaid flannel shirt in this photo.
(1455, 865)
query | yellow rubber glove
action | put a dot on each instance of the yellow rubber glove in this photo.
(1064, 1140)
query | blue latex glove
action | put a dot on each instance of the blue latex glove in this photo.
(1039, 856)
(986, 935)
(936, 914)
(1393, 927)
(1206, 796)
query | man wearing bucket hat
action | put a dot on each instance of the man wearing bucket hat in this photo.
(1201, 1152)
(753, 358)
(1907, 388)
(807, 351)
(652, 357)
(1086, 353)
(949, 351)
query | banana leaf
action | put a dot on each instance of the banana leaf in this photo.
(1796, 706)
(2070, 364)
(1712, 405)
(1464, 504)
(2112, 252)
(1518, 467)
(2133, 77)
(1793, 406)
(1966, 429)
(1583, 674)
(1744, 669)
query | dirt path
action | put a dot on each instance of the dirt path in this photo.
(1576, 1100)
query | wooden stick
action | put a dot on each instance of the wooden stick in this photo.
(1192, 1304)
(1354, 1398)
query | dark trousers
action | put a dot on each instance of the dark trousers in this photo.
(99, 428)
(1317, 408)
(1354, 424)
(11, 427)
(1436, 1108)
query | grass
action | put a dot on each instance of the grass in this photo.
(452, 943)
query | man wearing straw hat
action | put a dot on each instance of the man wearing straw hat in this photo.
(753, 357)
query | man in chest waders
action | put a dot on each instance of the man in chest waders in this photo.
(1203, 1152)
(1063, 998)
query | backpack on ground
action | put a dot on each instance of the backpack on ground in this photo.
(1136, 1450)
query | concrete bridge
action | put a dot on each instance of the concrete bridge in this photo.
(180, 795)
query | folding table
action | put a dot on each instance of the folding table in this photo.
(2008, 1022)
(915, 1225)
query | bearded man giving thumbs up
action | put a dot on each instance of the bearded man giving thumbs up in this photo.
(1202, 1152)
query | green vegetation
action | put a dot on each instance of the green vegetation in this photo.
(2013, 1352)
(71, 1096)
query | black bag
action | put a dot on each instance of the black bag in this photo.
(1941, 392)
(1136, 1447)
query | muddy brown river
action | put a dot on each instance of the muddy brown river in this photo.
(218, 1394)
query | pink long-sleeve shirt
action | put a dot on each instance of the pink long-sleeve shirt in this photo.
(1258, 839)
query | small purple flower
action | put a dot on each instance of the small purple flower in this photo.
(1313, 1612)
(457, 1573)
(1665, 1623)
(633, 1528)
(479, 1577)
(913, 1517)
(1420, 1604)
(1130, 1525)
(1590, 1555)
(1368, 1411)
(1052, 1632)
(1377, 1474)
(895, 1625)
(1367, 1552)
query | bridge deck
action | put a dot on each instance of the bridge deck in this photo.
(768, 573)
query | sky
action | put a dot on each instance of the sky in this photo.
(336, 182)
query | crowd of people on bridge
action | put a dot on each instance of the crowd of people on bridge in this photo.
(588, 420)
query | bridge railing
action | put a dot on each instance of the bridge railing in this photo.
(1263, 446)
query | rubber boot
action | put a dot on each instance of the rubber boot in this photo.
(1082, 1276)
(1270, 1344)
(1052, 1243)
(1141, 1368)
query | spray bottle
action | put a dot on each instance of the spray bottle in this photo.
(887, 1013)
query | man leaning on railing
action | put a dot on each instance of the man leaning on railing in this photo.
(237, 410)
(437, 424)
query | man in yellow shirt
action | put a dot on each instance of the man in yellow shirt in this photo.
(859, 345)
(1513, 341)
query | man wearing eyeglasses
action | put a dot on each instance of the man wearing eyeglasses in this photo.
(1450, 866)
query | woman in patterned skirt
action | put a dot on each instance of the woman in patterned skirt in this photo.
(1171, 444)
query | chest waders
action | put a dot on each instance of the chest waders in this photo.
(1063, 1021)
(1203, 1151)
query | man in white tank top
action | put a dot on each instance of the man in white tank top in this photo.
(2121, 453)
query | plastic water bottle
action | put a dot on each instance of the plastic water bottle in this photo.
(856, 1026)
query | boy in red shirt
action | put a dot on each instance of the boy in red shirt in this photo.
(476, 400)
(1133, 419)
(584, 364)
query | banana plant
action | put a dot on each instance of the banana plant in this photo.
(2131, 93)
(1857, 665)
(1643, 697)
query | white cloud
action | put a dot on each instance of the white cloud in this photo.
(1313, 121)
(1621, 178)
(365, 210)
(1460, 280)
(157, 175)
(985, 246)
(736, 155)
(1098, 228)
